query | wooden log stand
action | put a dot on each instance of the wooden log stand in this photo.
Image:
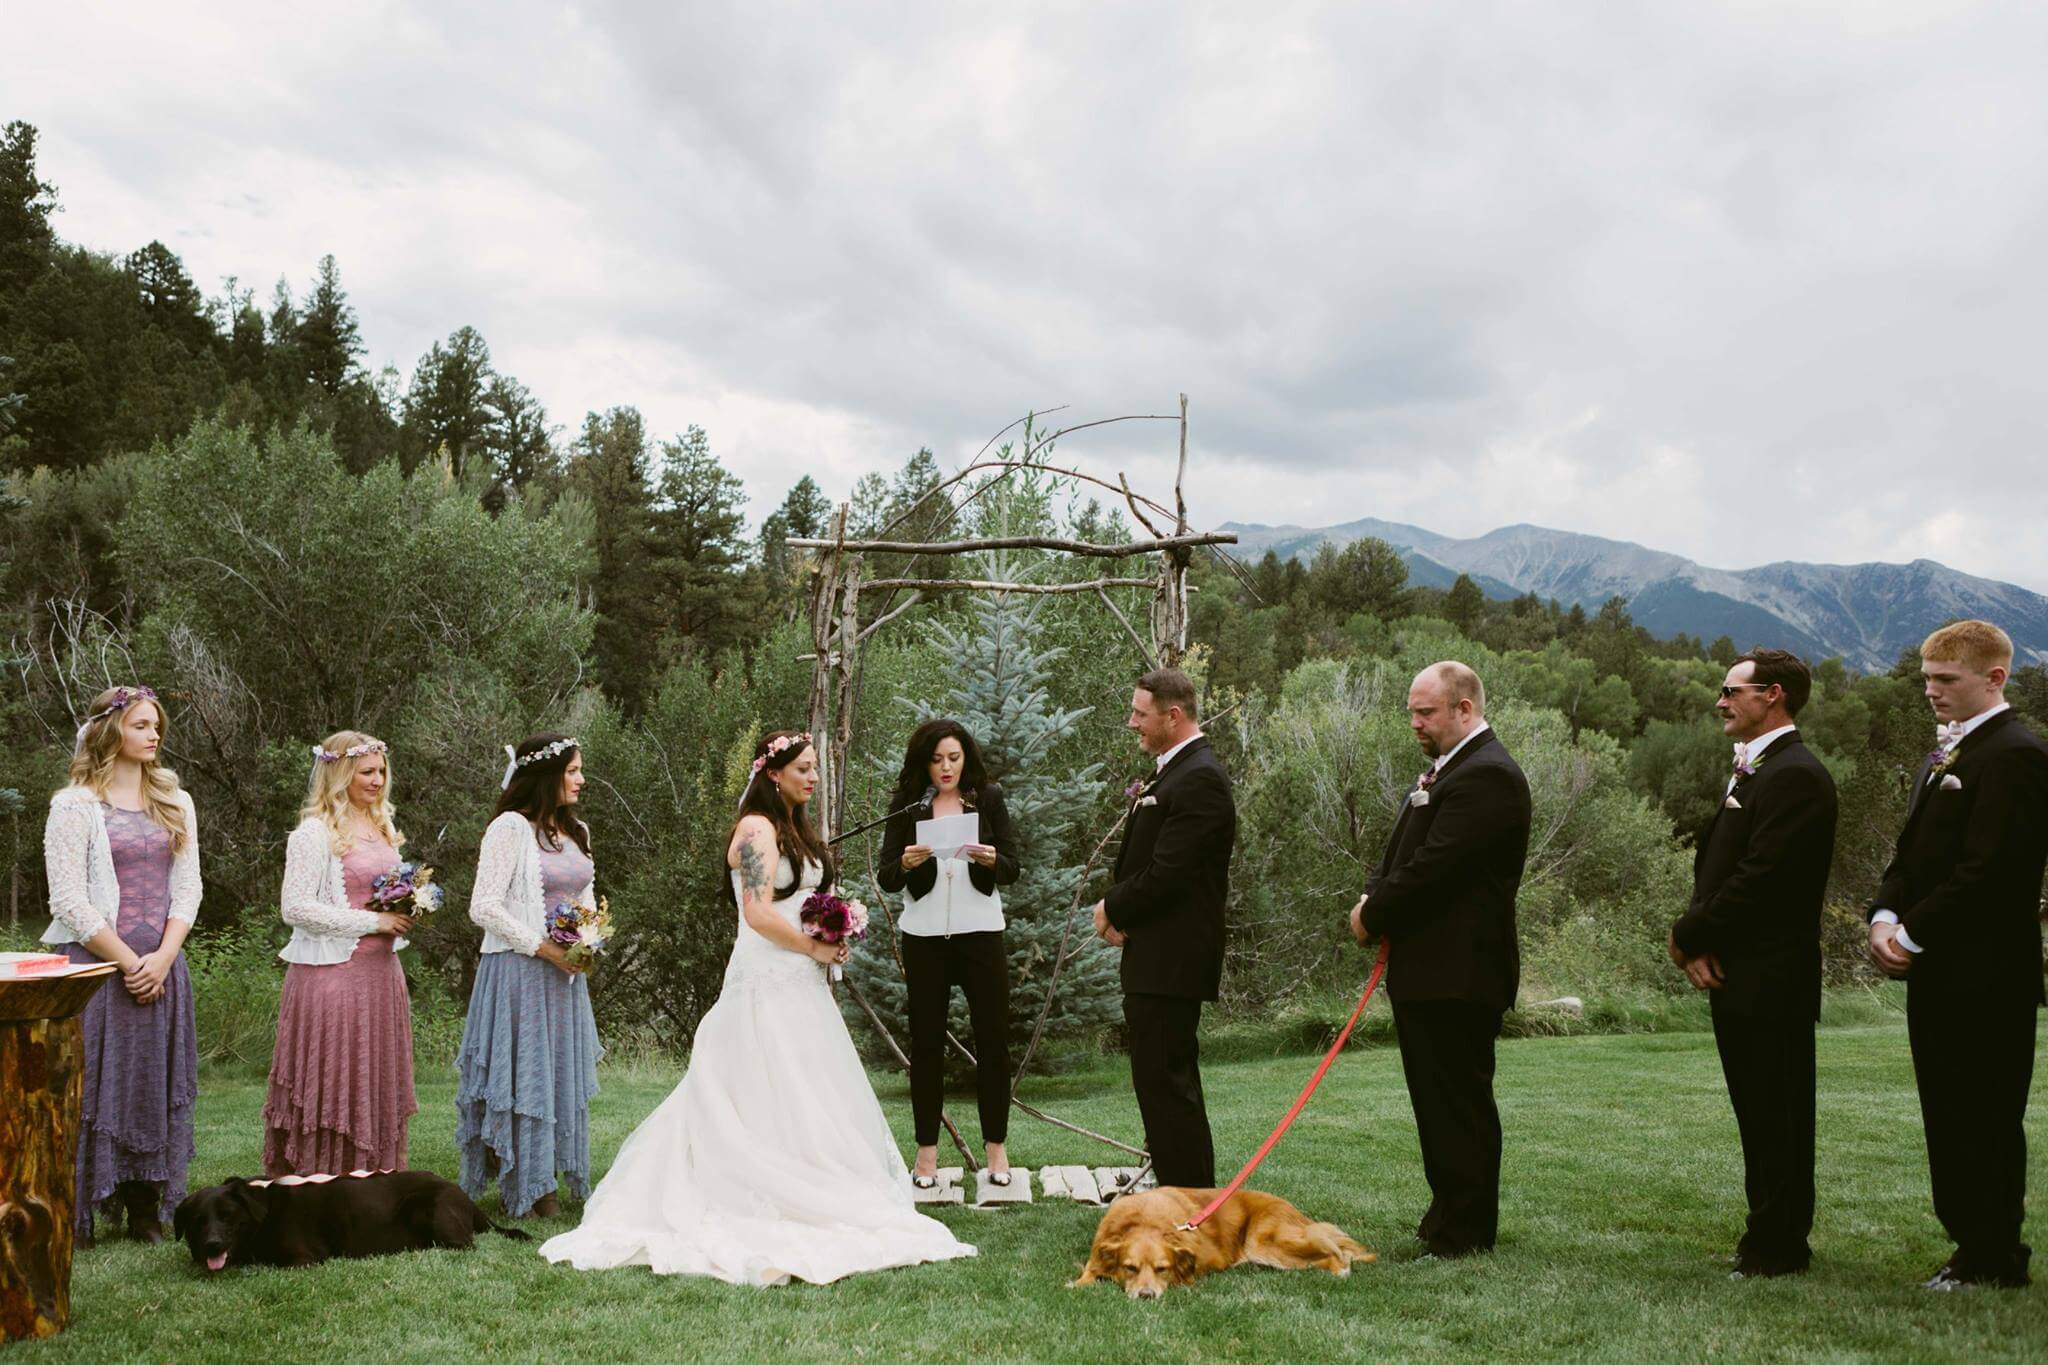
(42, 1077)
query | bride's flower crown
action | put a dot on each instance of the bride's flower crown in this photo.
(123, 698)
(781, 744)
(363, 750)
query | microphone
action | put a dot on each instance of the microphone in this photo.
(931, 794)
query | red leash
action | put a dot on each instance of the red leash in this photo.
(1379, 969)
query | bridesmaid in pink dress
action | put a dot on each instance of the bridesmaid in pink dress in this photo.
(341, 1083)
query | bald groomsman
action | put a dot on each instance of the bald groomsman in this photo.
(1959, 916)
(1751, 936)
(1444, 899)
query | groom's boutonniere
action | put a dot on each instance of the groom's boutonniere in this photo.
(1139, 793)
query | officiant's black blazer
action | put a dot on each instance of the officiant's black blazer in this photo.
(1173, 877)
(1965, 880)
(1444, 894)
(901, 833)
(1760, 875)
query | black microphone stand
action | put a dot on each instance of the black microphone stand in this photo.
(918, 804)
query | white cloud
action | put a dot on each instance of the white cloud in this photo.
(1747, 283)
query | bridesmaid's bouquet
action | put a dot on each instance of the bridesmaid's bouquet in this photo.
(828, 919)
(581, 931)
(407, 889)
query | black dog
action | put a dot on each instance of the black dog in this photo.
(304, 1223)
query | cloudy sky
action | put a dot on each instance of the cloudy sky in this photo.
(1749, 282)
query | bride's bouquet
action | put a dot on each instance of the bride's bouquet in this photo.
(581, 931)
(407, 889)
(828, 919)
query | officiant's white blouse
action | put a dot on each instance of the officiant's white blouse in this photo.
(954, 905)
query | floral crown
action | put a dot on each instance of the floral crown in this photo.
(363, 750)
(123, 698)
(781, 744)
(514, 760)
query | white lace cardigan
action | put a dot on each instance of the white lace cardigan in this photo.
(506, 901)
(314, 901)
(85, 895)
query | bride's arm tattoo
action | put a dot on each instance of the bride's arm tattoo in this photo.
(753, 870)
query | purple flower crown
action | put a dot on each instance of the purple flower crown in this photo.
(123, 698)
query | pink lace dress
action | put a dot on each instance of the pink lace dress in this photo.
(341, 1081)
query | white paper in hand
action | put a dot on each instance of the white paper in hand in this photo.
(948, 834)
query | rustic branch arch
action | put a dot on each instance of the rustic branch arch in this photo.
(837, 637)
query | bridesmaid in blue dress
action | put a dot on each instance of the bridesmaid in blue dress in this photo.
(528, 1064)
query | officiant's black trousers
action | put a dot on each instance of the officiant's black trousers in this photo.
(1768, 1060)
(1166, 1073)
(1447, 1057)
(932, 966)
(1973, 1057)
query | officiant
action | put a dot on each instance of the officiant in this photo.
(951, 930)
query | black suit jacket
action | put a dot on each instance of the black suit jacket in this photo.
(1965, 880)
(1173, 877)
(1444, 895)
(901, 832)
(1759, 877)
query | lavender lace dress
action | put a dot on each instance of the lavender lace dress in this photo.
(141, 1061)
(528, 1065)
(341, 1082)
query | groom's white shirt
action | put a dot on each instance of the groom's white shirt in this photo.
(1167, 757)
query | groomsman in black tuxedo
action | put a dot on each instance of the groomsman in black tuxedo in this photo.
(1959, 916)
(1751, 936)
(1444, 899)
(1166, 913)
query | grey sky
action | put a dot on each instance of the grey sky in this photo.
(1747, 282)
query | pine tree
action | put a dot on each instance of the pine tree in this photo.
(999, 691)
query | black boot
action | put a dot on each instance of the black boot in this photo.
(143, 1203)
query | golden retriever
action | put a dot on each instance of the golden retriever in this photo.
(1139, 1243)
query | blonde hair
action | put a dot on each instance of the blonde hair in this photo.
(327, 790)
(1977, 645)
(99, 745)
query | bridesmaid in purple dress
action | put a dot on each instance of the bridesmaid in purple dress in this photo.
(341, 1090)
(122, 851)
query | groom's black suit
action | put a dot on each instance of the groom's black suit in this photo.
(1760, 874)
(1965, 883)
(1172, 878)
(1444, 899)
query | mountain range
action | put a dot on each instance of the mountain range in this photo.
(1864, 613)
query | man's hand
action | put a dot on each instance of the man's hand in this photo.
(1704, 972)
(1104, 930)
(1885, 953)
(1358, 929)
(1676, 953)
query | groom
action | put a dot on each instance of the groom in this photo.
(1166, 913)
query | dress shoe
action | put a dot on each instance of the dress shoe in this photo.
(547, 1206)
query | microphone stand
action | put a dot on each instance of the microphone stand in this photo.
(880, 820)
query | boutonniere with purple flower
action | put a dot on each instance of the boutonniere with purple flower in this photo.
(1947, 740)
(1139, 792)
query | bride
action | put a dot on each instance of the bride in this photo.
(771, 1159)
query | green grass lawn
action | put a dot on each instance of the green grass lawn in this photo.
(1622, 1190)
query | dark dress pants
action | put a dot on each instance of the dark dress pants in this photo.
(1768, 1060)
(932, 966)
(1447, 1057)
(1973, 1056)
(1166, 1073)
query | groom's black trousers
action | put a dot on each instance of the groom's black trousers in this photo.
(932, 966)
(1447, 1057)
(1166, 1073)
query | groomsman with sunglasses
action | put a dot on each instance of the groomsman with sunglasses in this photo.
(1751, 937)
(1958, 915)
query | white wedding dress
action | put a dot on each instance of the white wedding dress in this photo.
(770, 1160)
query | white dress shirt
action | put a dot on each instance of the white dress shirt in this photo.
(1754, 748)
(1167, 757)
(1948, 747)
(1481, 728)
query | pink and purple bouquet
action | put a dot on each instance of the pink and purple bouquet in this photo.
(407, 889)
(828, 919)
(582, 932)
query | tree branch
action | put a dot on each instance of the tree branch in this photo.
(1077, 547)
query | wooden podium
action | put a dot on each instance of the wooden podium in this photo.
(42, 1080)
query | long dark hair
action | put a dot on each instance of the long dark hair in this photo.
(917, 762)
(536, 792)
(793, 833)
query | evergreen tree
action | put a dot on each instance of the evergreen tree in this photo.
(608, 465)
(698, 540)
(26, 240)
(446, 407)
(1464, 604)
(1001, 677)
(328, 336)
